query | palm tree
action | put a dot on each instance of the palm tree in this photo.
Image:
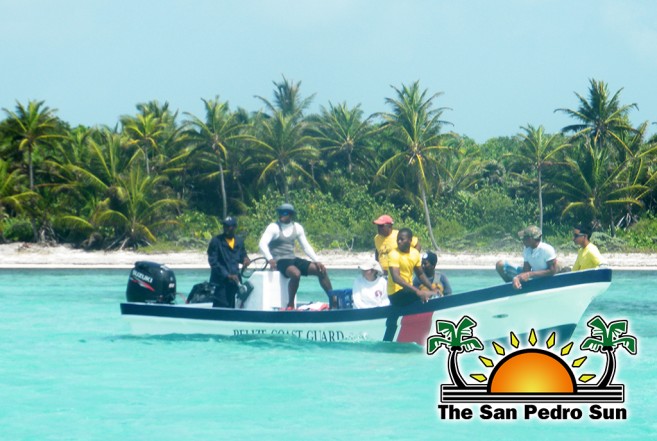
(415, 129)
(282, 148)
(594, 188)
(287, 99)
(537, 152)
(607, 338)
(602, 119)
(460, 169)
(217, 135)
(13, 194)
(145, 131)
(136, 208)
(92, 183)
(457, 338)
(343, 133)
(31, 127)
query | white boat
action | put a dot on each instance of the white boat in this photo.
(549, 304)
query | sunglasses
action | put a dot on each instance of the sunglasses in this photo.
(284, 213)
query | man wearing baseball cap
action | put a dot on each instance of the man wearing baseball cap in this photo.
(540, 259)
(386, 240)
(225, 254)
(277, 245)
(439, 281)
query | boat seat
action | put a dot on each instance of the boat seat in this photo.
(340, 298)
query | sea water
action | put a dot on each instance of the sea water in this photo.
(70, 370)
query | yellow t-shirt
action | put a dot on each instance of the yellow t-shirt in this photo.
(384, 245)
(231, 242)
(588, 257)
(406, 262)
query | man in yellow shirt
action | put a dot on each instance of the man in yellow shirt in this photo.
(588, 255)
(386, 240)
(403, 262)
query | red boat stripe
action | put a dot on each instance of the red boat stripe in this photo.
(415, 328)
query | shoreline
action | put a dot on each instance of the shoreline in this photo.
(35, 256)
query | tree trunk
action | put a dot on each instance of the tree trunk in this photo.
(223, 191)
(30, 167)
(148, 169)
(427, 217)
(612, 224)
(540, 200)
(610, 367)
(453, 368)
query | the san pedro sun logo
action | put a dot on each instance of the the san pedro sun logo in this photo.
(531, 374)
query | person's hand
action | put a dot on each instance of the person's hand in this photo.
(436, 293)
(517, 280)
(272, 264)
(425, 295)
(234, 279)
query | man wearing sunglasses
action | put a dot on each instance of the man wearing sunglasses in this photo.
(588, 255)
(277, 245)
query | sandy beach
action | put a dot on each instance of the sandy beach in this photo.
(20, 255)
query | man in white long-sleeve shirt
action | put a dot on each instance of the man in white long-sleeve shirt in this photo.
(277, 245)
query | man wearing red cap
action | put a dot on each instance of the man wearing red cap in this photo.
(386, 240)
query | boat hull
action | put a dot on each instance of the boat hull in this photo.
(545, 305)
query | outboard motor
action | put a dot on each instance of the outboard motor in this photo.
(151, 282)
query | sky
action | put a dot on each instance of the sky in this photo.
(497, 65)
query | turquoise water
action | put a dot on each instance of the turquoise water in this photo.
(69, 370)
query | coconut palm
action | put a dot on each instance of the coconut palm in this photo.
(457, 338)
(641, 171)
(136, 208)
(461, 169)
(607, 338)
(601, 118)
(415, 130)
(148, 132)
(343, 134)
(31, 127)
(537, 152)
(287, 99)
(217, 135)
(595, 189)
(282, 150)
(13, 193)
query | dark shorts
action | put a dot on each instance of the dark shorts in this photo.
(403, 297)
(303, 264)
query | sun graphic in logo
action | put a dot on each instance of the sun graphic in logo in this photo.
(532, 373)
(531, 370)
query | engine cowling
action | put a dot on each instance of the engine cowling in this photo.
(151, 282)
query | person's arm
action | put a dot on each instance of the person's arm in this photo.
(213, 258)
(426, 282)
(271, 233)
(307, 248)
(447, 288)
(551, 270)
(244, 257)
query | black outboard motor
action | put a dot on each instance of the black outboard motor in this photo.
(151, 282)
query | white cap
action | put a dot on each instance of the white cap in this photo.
(371, 265)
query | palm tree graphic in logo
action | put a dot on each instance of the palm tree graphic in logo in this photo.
(606, 338)
(458, 338)
(531, 374)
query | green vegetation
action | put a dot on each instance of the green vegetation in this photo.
(156, 181)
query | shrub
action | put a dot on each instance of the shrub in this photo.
(18, 230)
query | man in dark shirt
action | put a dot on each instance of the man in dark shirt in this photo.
(225, 253)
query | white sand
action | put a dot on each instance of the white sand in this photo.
(20, 255)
